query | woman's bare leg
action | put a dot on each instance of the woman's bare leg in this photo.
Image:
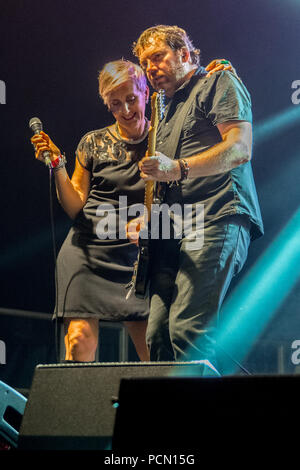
(81, 339)
(137, 332)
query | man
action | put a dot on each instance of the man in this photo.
(211, 168)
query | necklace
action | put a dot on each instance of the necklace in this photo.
(133, 141)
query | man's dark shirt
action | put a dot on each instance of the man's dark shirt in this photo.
(222, 97)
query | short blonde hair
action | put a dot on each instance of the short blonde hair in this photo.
(115, 73)
(176, 38)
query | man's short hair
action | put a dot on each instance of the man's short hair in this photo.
(176, 38)
(117, 72)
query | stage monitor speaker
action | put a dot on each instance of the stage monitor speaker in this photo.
(72, 406)
(207, 415)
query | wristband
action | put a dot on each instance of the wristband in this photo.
(184, 169)
(59, 162)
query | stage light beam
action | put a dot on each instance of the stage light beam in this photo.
(259, 295)
(277, 124)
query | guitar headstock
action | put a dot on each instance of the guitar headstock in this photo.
(157, 107)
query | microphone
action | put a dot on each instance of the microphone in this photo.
(36, 126)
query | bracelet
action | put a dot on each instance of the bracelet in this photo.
(59, 162)
(184, 169)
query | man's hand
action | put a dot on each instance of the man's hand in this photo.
(159, 168)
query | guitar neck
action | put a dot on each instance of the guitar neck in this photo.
(152, 140)
(149, 185)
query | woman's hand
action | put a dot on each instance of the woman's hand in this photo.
(42, 143)
(220, 64)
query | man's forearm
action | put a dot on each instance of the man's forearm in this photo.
(220, 158)
(234, 150)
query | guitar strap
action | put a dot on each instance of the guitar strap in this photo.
(170, 146)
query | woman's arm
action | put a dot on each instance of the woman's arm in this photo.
(71, 193)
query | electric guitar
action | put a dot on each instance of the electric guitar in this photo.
(140, 278)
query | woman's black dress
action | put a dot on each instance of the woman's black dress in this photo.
(95, 262)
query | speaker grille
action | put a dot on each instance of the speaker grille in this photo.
(72, 405)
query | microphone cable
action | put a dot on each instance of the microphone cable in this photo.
(220, 348)
(53, 240)
(36, 126)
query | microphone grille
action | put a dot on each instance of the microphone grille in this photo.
(35, 122)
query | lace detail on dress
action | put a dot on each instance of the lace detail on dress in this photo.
(102, 146)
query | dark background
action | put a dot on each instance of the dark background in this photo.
(50, 56)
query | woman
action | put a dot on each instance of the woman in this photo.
(95, 266)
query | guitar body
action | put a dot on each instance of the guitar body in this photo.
(141, 269)
(142, 265)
